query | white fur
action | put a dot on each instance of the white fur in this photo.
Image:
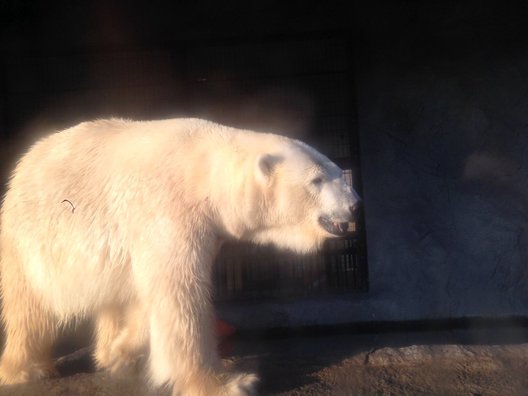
(121, 221)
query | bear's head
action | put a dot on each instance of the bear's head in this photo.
(303, 198)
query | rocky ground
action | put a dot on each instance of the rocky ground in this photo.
(484, 362)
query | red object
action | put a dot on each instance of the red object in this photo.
(224, 330)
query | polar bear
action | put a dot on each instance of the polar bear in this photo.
(121, 220)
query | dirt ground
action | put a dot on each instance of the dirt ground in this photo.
(484, 362)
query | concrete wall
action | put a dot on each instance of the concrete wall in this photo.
(443, 123)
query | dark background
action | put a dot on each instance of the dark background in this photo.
(434, 93)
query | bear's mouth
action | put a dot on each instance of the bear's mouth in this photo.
(333, 227)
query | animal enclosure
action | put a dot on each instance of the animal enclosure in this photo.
(299, 85)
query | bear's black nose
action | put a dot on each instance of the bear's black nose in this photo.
(354, 211)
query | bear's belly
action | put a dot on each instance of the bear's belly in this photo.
(76, 286)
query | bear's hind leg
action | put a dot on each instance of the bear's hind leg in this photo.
(30, 332)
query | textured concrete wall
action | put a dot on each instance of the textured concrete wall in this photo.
(443, 115)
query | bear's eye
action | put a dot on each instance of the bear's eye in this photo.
(317, 181)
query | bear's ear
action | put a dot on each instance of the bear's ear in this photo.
(265, 167)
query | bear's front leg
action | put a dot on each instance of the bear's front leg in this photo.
(183, 348)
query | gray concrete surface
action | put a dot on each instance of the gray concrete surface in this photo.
(484, 362)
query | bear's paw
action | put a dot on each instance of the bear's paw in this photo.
(241, 384)
(12, 374)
